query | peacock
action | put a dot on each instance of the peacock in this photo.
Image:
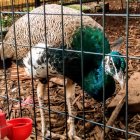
(56, 51)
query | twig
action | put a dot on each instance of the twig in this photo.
(114, 114)
(97, 132)
(54, 135)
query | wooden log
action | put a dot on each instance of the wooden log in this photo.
(133, 94)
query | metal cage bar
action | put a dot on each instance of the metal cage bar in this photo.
(103, 15)
(32, 82)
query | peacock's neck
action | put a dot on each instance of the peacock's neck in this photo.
(94, 81)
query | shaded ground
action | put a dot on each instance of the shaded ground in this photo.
(114, 28)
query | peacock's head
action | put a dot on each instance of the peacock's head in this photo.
(115, 66)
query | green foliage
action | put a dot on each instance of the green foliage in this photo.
(77, 7)
(26, 10)
(6, 21)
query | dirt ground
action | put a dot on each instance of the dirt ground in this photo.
(114, 28)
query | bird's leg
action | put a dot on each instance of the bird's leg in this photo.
(40, 95)
(70, 95)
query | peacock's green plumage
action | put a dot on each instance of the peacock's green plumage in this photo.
(92, 42)
(94, 82)
(119, 61)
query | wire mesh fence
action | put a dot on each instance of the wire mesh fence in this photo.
(57, 68)
(21, 5)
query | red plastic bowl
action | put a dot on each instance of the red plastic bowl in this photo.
(22, 128)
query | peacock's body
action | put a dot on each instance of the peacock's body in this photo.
(92, 42)
(53, 18)
(69, 61)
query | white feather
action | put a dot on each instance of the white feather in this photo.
(38, 70)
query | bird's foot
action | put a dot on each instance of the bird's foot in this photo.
(72, 131)
(54, 135)
(44, 133)
(28, 101)
(25, 103)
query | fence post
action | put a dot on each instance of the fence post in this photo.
(37, 3)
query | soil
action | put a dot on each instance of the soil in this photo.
(13, 91)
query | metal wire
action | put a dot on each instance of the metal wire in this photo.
(32, 81)
(79, 118)
(59, 49)
(64, 77)
(82, 65)
(67, 50)
(126, 15)
(4, 66)
(126, 98)
(48, 91)
(15, 45)
(103, 22)
(85, 14)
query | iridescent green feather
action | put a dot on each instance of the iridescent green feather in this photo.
(92, 41)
